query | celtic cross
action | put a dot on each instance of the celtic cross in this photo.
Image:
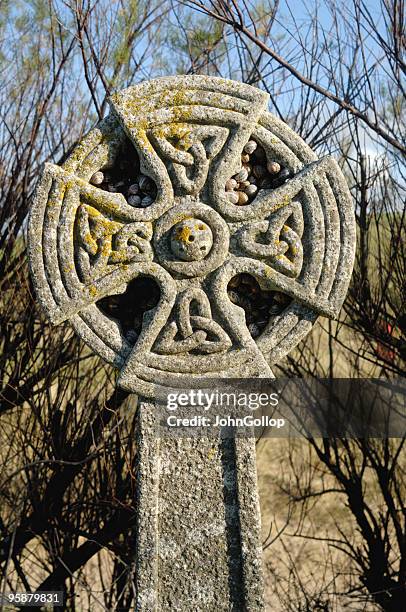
(247, 237)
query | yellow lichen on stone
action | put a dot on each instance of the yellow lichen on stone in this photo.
(293, 249)
(106, 247)
(211, 453)
(183, 233)
(284, 202)
(179, 133)
(136, 110)
(140, 136)
(104, 226)
(268, 273)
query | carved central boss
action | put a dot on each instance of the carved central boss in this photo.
(192, 183)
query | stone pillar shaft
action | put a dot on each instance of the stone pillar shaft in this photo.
(198, 523)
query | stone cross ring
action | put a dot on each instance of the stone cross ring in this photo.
(190, 186)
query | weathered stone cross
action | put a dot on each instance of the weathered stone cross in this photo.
(191, 185)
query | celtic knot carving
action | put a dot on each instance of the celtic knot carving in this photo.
(277, 239)
(190, 150)
(101, 242)
(192, 183)
(198, 332)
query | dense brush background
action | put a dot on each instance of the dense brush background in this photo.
(333, 510)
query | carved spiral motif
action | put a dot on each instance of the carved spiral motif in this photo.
(149, 192)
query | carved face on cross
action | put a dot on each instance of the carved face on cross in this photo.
(188, 134)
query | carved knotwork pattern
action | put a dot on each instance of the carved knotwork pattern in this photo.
(277, 240)
(180, 226)
(188, 150)
(101, 242)
(189, 332)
